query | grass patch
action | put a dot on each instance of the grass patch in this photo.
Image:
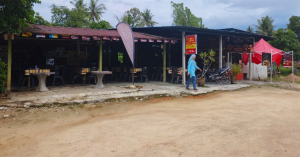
(18, 110)
(70, 107)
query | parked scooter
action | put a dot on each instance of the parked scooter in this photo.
(220, 75)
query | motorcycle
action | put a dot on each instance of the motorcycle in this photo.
(220, 75)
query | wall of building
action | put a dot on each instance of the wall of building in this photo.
(258, 71)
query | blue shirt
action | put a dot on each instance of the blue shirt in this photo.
(192, 68)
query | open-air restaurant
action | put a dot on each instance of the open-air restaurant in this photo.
(44, 56)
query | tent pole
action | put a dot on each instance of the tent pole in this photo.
(9, 63)
(293, 65)
(183, 58)
(271, 67)
(228, 65)
(164, 63)
(220, 52)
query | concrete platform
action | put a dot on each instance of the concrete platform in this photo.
(88, 94)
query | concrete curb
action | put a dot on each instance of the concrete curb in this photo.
(97, 97)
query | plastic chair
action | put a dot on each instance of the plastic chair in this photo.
(58, 75)
(144, 74)
(127, 74)
(175, 74)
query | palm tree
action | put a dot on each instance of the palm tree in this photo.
(265, 26)
(250, 29)
(95, 10)
(147, 19)
(79, 5)
(126, 18)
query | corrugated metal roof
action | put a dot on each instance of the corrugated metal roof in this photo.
(175, 32)
(41, 29)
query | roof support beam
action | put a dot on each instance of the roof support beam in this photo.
(100, 54)
(9, 47)
(220, 52)
(183, 58)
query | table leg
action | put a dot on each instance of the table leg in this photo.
(99, 81)
(42, 86)
(28, 80)
(84, 79)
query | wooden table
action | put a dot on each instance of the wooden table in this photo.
(30, 72)
(179, 71)
(100, 75)
(82, 71)
(136, 70)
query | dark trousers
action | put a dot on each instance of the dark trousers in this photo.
(189, 81)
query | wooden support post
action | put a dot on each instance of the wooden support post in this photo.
(9, 62)
(165, 64)
(100, 54)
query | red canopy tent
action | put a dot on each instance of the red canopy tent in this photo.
(263, 47)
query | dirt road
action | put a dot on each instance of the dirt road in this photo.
(251, 122)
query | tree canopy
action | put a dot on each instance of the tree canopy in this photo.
(38, 19)
(265, 26)
(134, 15)
(287, 40)
(95, 10)
(79, 16)
(250, 29)
(294, 25)
(147, 17)
(100, 25)
(15, 14)
(182, 16)
(135, 18)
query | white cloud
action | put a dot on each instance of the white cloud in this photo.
(215, 13)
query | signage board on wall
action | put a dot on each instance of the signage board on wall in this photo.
(240, 45)
(190, 44)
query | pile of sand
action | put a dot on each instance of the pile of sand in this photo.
(290, 78)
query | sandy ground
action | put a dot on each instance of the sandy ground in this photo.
(258, 121)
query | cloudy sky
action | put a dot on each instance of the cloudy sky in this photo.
(215, 13)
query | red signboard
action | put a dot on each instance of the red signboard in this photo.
(287, 61)
(191, 44)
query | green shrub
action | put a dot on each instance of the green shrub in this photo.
(2, 76)
(285, 71)
(236, 69)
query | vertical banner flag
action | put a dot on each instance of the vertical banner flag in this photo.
(106, 38)
(287, 61)
(143, 40)
(266, 59)
(53, 36)
(126, 34)
(74, 37)
(65, 36)
(96, 37)
(26, 34)
(191, 44)
(85, 38)
(40, 36)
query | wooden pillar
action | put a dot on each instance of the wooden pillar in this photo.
(169, 54)
(183, 58)
(164, 64)
(9, 62)
(100, 54)
(220, 52)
